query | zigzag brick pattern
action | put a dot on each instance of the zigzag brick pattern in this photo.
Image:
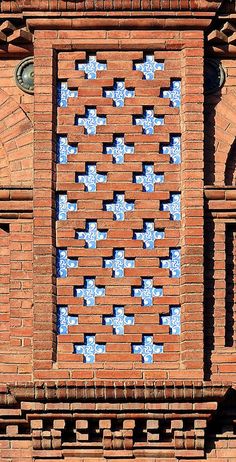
(126, 213)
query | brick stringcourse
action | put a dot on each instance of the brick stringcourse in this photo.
(167, 420)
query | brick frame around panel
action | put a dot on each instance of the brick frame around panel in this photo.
(191, 44)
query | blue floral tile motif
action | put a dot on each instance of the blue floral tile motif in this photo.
(148, 67)
(119, 320)
(147, 348)
(119, 93)
(173, 206)
(91, 66)
(149, 178)
(174, 93)
(89, 349)
(91, 178)
(147, 292)
(90, 121)
(63, 93)
(173, 263)
(89, 292)
(91, 234)
(119, 206)
(173, 149)
(118, 263)
(149, 234)
(64, 149)
(148, 121)
(173, 320)
(63, 263)
(64, 320)
(63, 206)
(118, 149)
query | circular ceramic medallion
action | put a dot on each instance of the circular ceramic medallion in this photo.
(24, 75)
(214, 76)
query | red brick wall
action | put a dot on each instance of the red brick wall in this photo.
(30, 349)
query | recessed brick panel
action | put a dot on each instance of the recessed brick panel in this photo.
(119, 294)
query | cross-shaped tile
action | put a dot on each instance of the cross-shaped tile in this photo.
(147, 292)
(174, 93)
(118, 149)
(64, 320)
(173, 320)
(91, 234)
(63, 263)
(91, 178)
(173, 149)
(91, 66)
(173, 263)
(147, 348)
(64, 149)
(149, 178)
(148, 121)
(118, 263)
(119, 93)
(63, 206)
(173, 206)
(89, 292)
(119, 320)
(63, 93)
(119, 206)
(148, 67)
(89, 349)
(90, 121)
(149, 234)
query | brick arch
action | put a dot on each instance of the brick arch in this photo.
(16, 144)
(225, 135)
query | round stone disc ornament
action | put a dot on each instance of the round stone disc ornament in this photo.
(214, 76)
(24, 75)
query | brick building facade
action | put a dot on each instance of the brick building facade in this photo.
(117, 230)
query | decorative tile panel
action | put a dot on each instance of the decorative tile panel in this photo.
(118, 213)
(173, 149)
(64, 320)
(174, 93)
(149, 178)
(119, 206)
(63, 263)
(119, 320)
(172, 263)
(147, 292)
(118, 149)
(63, 206)
(118, 263)
(91, 178)
(64, 149)
(148, 67)
(149, 234)
(148, 121)
(90, 121)
(147, 348)
(63, 93)
(119, 93)
(91, 66)
(89, 349)
(173, 206)
(89, 292)
(173, 320)
(91, 234)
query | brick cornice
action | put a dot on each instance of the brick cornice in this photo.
(19, 6)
